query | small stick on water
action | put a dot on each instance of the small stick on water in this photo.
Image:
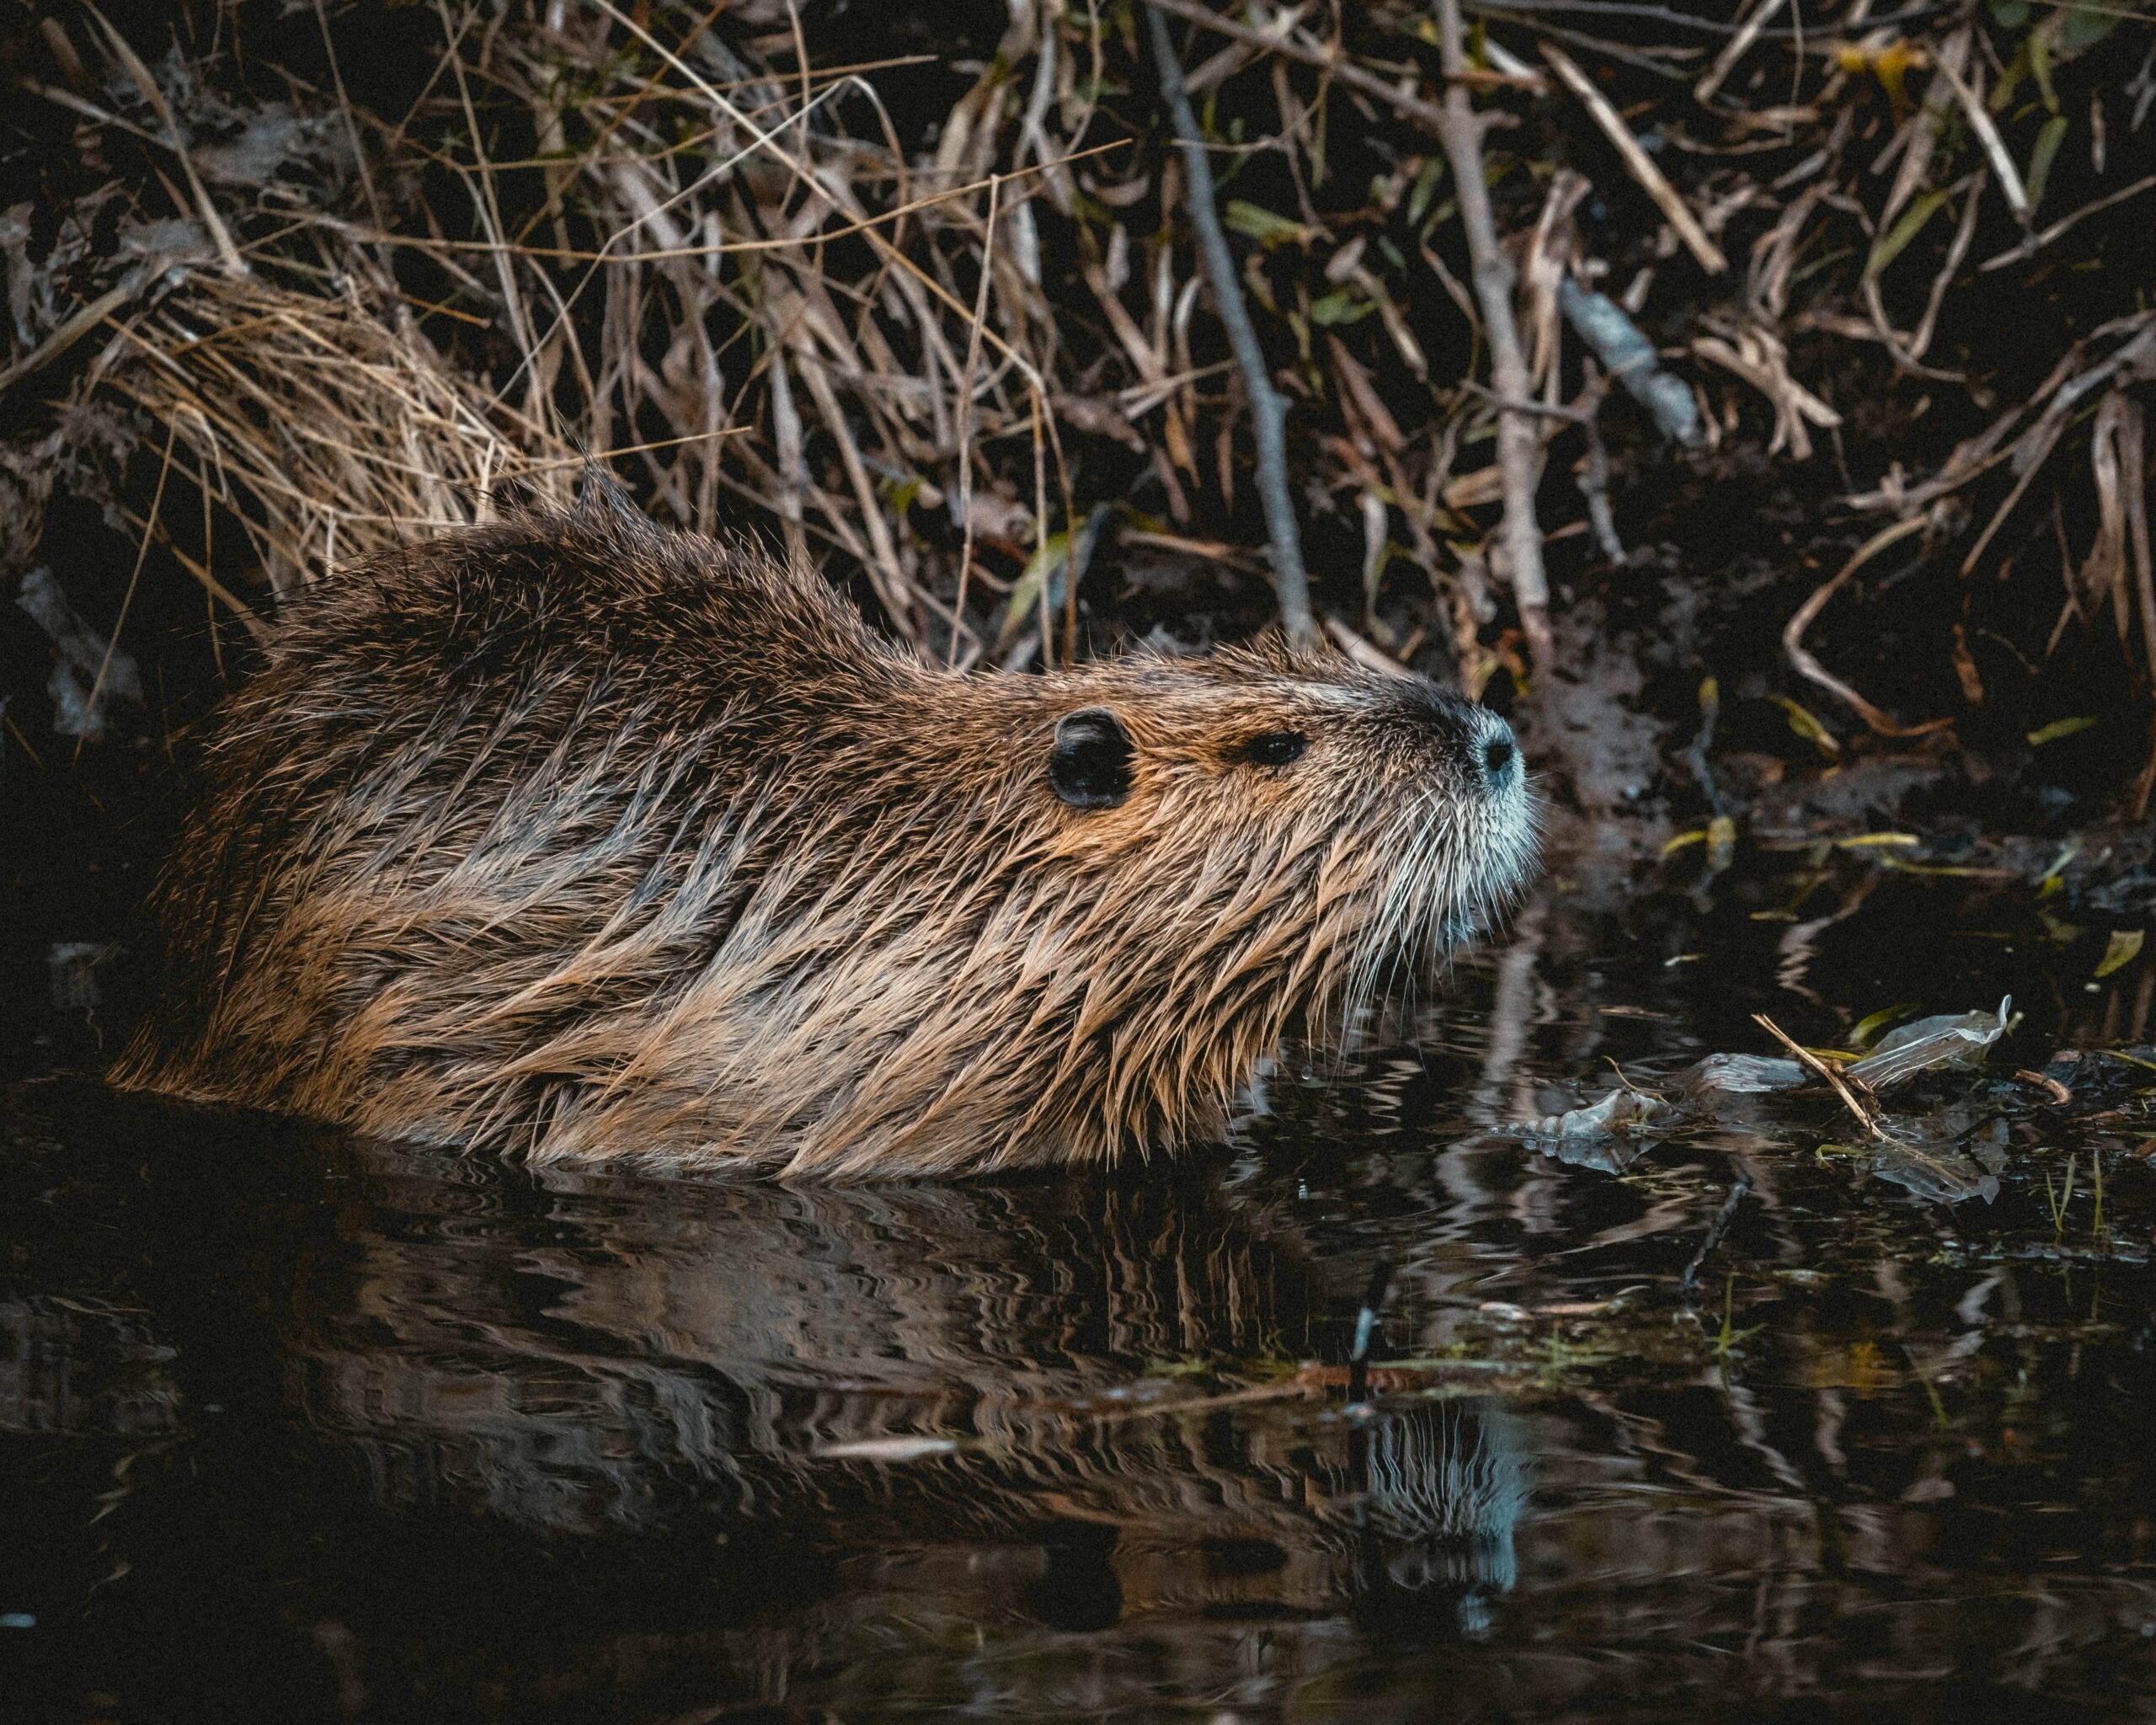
(1806, 1059)
(1716, 1230)
(1268, 409)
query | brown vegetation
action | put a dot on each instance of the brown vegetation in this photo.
(292, 287)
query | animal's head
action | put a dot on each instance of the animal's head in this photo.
(1265, 822)
(1072, 914)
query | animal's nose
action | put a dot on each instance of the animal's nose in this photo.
(1500, 754)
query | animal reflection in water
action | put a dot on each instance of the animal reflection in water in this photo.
(600, 1356)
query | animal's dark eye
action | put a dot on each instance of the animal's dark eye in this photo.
(1275, 748)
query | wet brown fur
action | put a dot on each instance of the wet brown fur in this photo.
(573, 838)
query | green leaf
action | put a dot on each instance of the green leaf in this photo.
(1425, 187)
(1261, 225)
(1871, 1026)
(1044, 564)
(2060, 728)
(2088, 24)
(1891, 244)
(2062, 934)
(1873, 840)
(2122, 949)
(1340, 307)
(2009, 81)
(2040, 62)
(2040, 158)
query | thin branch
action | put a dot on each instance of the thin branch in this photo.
(127, 599)
(1637, 163)
(1691, 20)
(1717, 1229)
(1994, 147)
(1809, 667)
(1268, 410)
(1280, 40)
(175, 141)
(1541, 409)
(967, 408)
(1734, 50)
(2037, 242)
(1812, 1062)
(1519, 442)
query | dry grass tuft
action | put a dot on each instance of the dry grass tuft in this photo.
(327, 431)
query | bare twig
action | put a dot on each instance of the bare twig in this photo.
(2133, 466)
(175, 141)
(1717, 1229)
(1268, 410)
(1810, 667)
(1637, 163)
(1594, 470)
(1735, 49)
(1980, 123)
(2037, 242)
(1812, 1063)
(1519, 442)
(1281, 38)
(1365, 653)
(1539, 410)
(967, 402)
(1758, 357)
(127, 599)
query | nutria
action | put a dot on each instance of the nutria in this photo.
(581, 840)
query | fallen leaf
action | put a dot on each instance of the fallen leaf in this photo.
(2121, 950)
(1801, 721)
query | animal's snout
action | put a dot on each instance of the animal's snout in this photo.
(1469, 737)
(1500, 754)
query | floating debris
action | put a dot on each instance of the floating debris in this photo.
(1935, 1154)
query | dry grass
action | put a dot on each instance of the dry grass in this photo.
(327, 431)
(673, 235)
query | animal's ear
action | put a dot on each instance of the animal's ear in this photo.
(1091, 766)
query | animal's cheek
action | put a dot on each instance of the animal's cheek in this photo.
(1094, 836)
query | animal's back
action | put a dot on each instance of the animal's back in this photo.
(476, 804)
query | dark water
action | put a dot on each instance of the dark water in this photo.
(296, 1428)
